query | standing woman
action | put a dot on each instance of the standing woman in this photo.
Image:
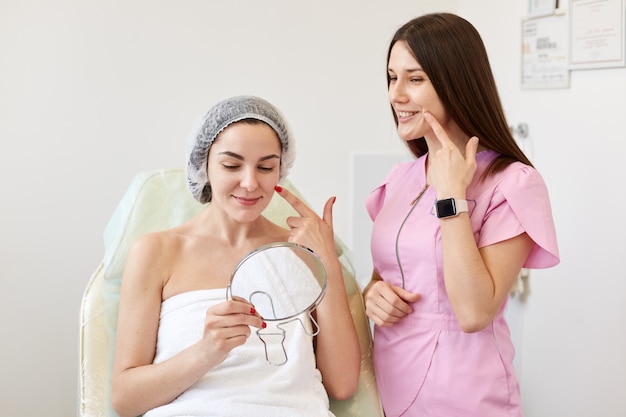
(452, 230)
(182, 348)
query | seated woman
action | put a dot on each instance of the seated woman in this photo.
(182, 348)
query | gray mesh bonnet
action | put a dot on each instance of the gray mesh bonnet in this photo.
(218, 118)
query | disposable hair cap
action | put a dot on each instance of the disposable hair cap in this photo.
(218, 118)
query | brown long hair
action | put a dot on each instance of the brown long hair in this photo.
(451, 51)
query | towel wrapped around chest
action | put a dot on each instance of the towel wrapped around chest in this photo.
(244, 384)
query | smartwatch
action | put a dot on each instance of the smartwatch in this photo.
(450, 207)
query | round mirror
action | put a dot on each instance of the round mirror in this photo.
(284, 281)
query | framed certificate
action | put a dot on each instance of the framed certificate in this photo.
(542, 7)
(544, 52)
(597, 37)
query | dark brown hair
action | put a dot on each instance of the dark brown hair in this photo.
(451, 52)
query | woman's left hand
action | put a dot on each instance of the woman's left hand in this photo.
(449, 170)
(309, 229)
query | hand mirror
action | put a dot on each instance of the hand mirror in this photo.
(284, 281)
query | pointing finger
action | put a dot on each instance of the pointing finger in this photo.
(439, 131)
(302, 209)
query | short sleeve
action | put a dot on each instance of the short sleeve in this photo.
(374, 202)
(520, 203)
(376, 199)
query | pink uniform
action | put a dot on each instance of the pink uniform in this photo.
(426, 365)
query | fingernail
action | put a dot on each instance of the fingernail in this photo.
(334, 199)
(264, 325)
(278, 188)
(252, 310)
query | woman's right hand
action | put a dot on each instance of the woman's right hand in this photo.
(387, 304)
(226, 326)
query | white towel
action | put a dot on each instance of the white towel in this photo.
(245, 384)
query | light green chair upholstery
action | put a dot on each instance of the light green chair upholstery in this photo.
(159, 200)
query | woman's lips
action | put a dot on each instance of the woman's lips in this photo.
(247, 201)
(404, 115)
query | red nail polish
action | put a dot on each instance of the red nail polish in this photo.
(264, 325)
(252, 310)
(278, 188)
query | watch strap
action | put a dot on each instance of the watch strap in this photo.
(461, 206)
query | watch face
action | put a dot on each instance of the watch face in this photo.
(445, 208)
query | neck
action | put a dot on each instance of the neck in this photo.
(217, 223)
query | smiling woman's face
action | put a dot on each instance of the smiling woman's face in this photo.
(411, 94)
(243, 169)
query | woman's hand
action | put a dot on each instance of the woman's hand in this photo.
(309, 229)
(449, 170)
(226, 326)
(387, 304)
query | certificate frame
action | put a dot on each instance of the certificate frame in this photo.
(597, 34)
(542, 7)
(544, 52)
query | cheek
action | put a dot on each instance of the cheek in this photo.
(270, 181)
(434, 105)
(218, 179)
(437, 110)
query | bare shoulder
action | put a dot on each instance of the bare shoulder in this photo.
(156, 245)
(150, 258)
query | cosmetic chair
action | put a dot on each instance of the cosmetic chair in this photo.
(158, 200)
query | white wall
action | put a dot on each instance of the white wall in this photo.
(93, 92)
(575, 318)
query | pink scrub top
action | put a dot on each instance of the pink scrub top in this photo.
(426, 365)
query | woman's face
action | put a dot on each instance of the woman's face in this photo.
(243, 169)
(411, 94)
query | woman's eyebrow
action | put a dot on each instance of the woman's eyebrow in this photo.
(408, 70)
(272, 156)
(241, 158)
(231, 154)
